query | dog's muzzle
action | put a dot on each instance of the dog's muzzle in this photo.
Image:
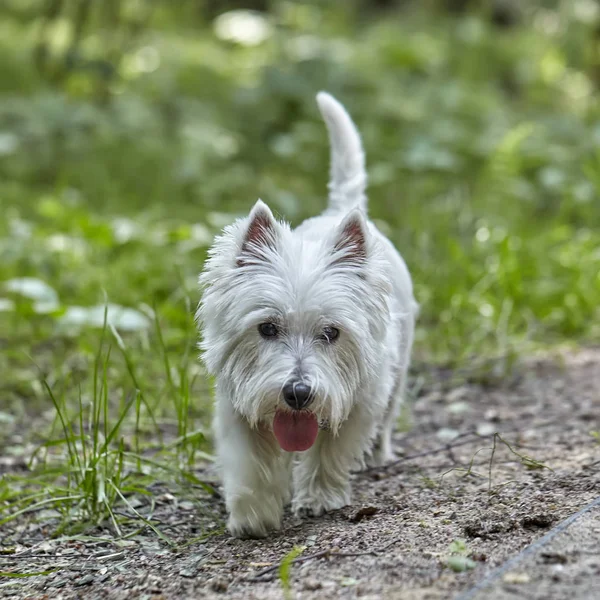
(297, 395)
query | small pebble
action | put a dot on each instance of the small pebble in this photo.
(458, 408)
(516, 578)
(312, 584)
(557, 572)
(485, 429)
(458, 394)
(85, 580)
(189, 573)
(219, 585)
(491, 414)
(446, 434)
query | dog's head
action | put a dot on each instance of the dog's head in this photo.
(293, 321)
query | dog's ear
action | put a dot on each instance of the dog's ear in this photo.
(260, 236)
(350, 242)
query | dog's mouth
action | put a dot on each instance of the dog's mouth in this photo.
(295, 431)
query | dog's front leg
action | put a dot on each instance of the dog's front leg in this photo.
(322, 475)
(255, 475)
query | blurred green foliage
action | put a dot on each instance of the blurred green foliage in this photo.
(130, 132)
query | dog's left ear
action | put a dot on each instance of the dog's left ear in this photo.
(260, 236)
(350, 242)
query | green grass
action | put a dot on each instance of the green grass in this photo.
(483, 147)
(285, 568)
(92, 462)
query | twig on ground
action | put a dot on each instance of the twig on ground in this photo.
(456, 443)
(463, 439)
(527, 461)
(327, 553)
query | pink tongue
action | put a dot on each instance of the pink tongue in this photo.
(295, 431)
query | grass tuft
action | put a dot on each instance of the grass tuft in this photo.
(285, 568)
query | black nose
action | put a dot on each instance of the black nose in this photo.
(297, 394)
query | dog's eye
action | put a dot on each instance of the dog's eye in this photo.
(268, 330)
(330, 334)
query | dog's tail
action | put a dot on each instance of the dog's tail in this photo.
(348, 177)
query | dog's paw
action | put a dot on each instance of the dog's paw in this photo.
(245, 530)
(379, 457)
(304, 512)
(380, 452)
(305, 505)
(252, 518)
(286, 496)
(245, 527)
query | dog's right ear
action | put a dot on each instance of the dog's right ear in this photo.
(260, 236)
(350, 246)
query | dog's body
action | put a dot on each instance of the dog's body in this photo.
(309, 334)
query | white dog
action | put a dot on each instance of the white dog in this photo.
(308, 332)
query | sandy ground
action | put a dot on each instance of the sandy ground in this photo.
(566, 566)
(432, 525)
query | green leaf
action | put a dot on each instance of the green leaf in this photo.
(460, 563)
(285, 566)
(23, 575)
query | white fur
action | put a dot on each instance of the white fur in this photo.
(333, 270)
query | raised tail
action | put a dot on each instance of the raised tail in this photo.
(348, 177)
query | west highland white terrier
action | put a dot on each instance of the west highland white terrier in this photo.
(308, 333)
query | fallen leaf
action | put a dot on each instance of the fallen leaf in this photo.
(361, 513)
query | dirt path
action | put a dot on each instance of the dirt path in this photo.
(563, 563)
(406, 521)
